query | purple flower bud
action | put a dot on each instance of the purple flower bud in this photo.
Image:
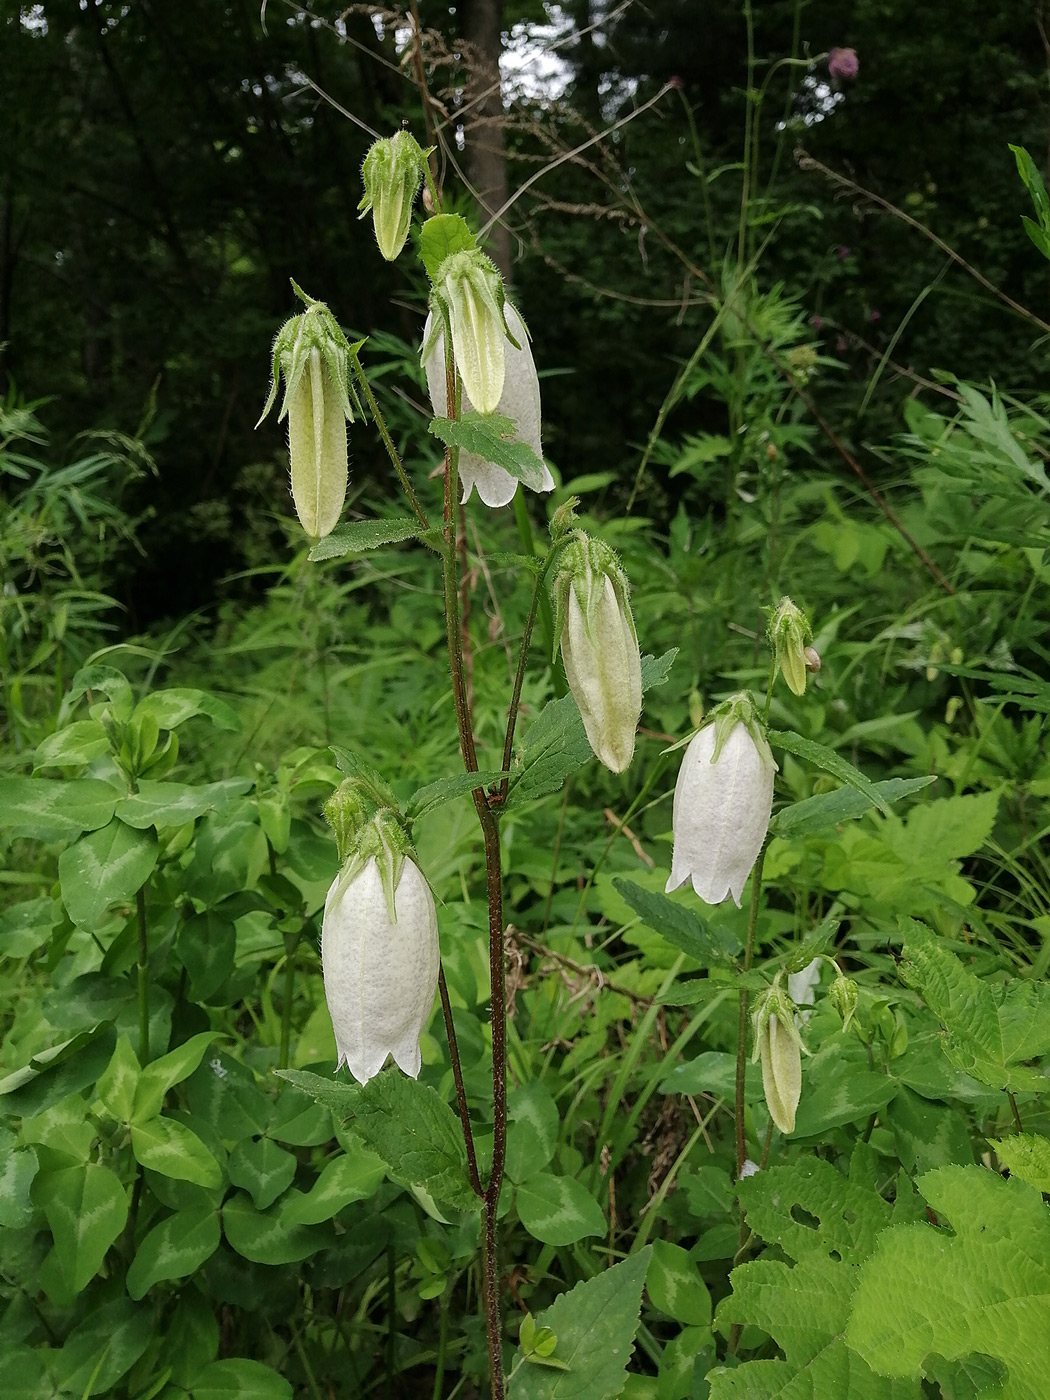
(843, 64)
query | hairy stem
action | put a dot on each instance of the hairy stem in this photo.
(143, 977)
(457, 1075)
(741, 1043)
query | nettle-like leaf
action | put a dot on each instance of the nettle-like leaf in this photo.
(1028, 1157)
(983, 1288)
(827, 1223)
(992, 1027)
(495, 439)
(358, 536)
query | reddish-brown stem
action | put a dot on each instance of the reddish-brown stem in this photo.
(457, 1075)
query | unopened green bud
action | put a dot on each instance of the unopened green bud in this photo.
(844, 997)
(789, 633)
(393, 171)
(599, 646)
(779, 1047)
(468, 290)
(347, 815)
(564, 518)
(313, 355)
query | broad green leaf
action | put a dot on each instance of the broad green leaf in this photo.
(76, 743)
(926, 1134)
(63, 1128)
(414, 1131)
(26, 1373)
(675, 1287)
(266, 1237)
(838, 1087)
(555, 744)
(1027, 1156)
(238, 1379)
(352, 1176)
(174, 1150)
(107, 867)
(495, 439)
(713, 1072)
(52, 811)
(86, 1208)
(18, 1168)
(175, 1248)
(116, 1088)
(683, 928)
(62, 1069)
(830, 762)
(433, 795)
(262, 1168)
(440, 237)
(170, 708)
(222, 1093)
(206, 944)
(992, 1026)
(594, 1324)
(533, 1131)
(810, 1208)
(944, 830)
(357, 536)
(229, 854)
(27, 925)
(106, 681)
(103, 1347)
(192, 1339)
(983, 1288)
(815, 814)
(558, 1209)
(174, 804)
(171, 1069)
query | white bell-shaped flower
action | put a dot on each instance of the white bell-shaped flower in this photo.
(722, 804)
(519, 401)
(379, 952)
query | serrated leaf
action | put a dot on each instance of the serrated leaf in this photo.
(86, 1208)
(682, 928)
(984, 1288)
(840, 1217)
(558, 1209)
(440, 237)
(992, 1026)
(1026, 1156)
(495, 439)
(433, 795)
(174, 1150)
(359, 536)
(594, 1323)
(103, 868)
(828, 760)
(174, 804)
(821, 813)
(53, 811)
(414, 1131)
(175, 1248)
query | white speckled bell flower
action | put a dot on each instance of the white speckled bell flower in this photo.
(722, 804)
(519, 401)
(379, 952)
(599, 646)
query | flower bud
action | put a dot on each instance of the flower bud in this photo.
(519, 401)
(844, 997)
(722, 803)
(313, 355)
(789, 632)
(599, 646)
(379, 953)
(779, 1047)
(392, 173)
(469, 291)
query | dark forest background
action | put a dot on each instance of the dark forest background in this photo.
(165, 168)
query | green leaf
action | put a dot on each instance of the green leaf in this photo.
(53, 811)
(558, 1209)
(927, 1134)
(830, 762)
(983, 1288)
(175, 1248)
(103, 1347)
(838, 1088)
(433, 795)
(171, 1069)
(352, 1176)
(683, 928)
(262, 1168)
(495, 439)
(809, 1207)
(991, 1026)
(555, 744)
(238, 1379)
(268, 1237)
(354, 766)
(110, 682)
(174, 1150)
(116, 1088)
(1026, 1156)
(713, 1072)
(170, 708)
(173, 804)
(206, 945)
(107, 867)
(533, 1132)
(406, 1123)
(18, 1168)
(76, 743)
(675, 1287)
(86, 1208)
(440, 237)
(594, 1324)
(815, 814)
(358, 536)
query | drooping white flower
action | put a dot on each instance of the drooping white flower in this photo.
(519, 401)
(722, 803)
(379, 953)
(802, 987)
(599, 646)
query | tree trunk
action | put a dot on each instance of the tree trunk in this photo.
(486, 161)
